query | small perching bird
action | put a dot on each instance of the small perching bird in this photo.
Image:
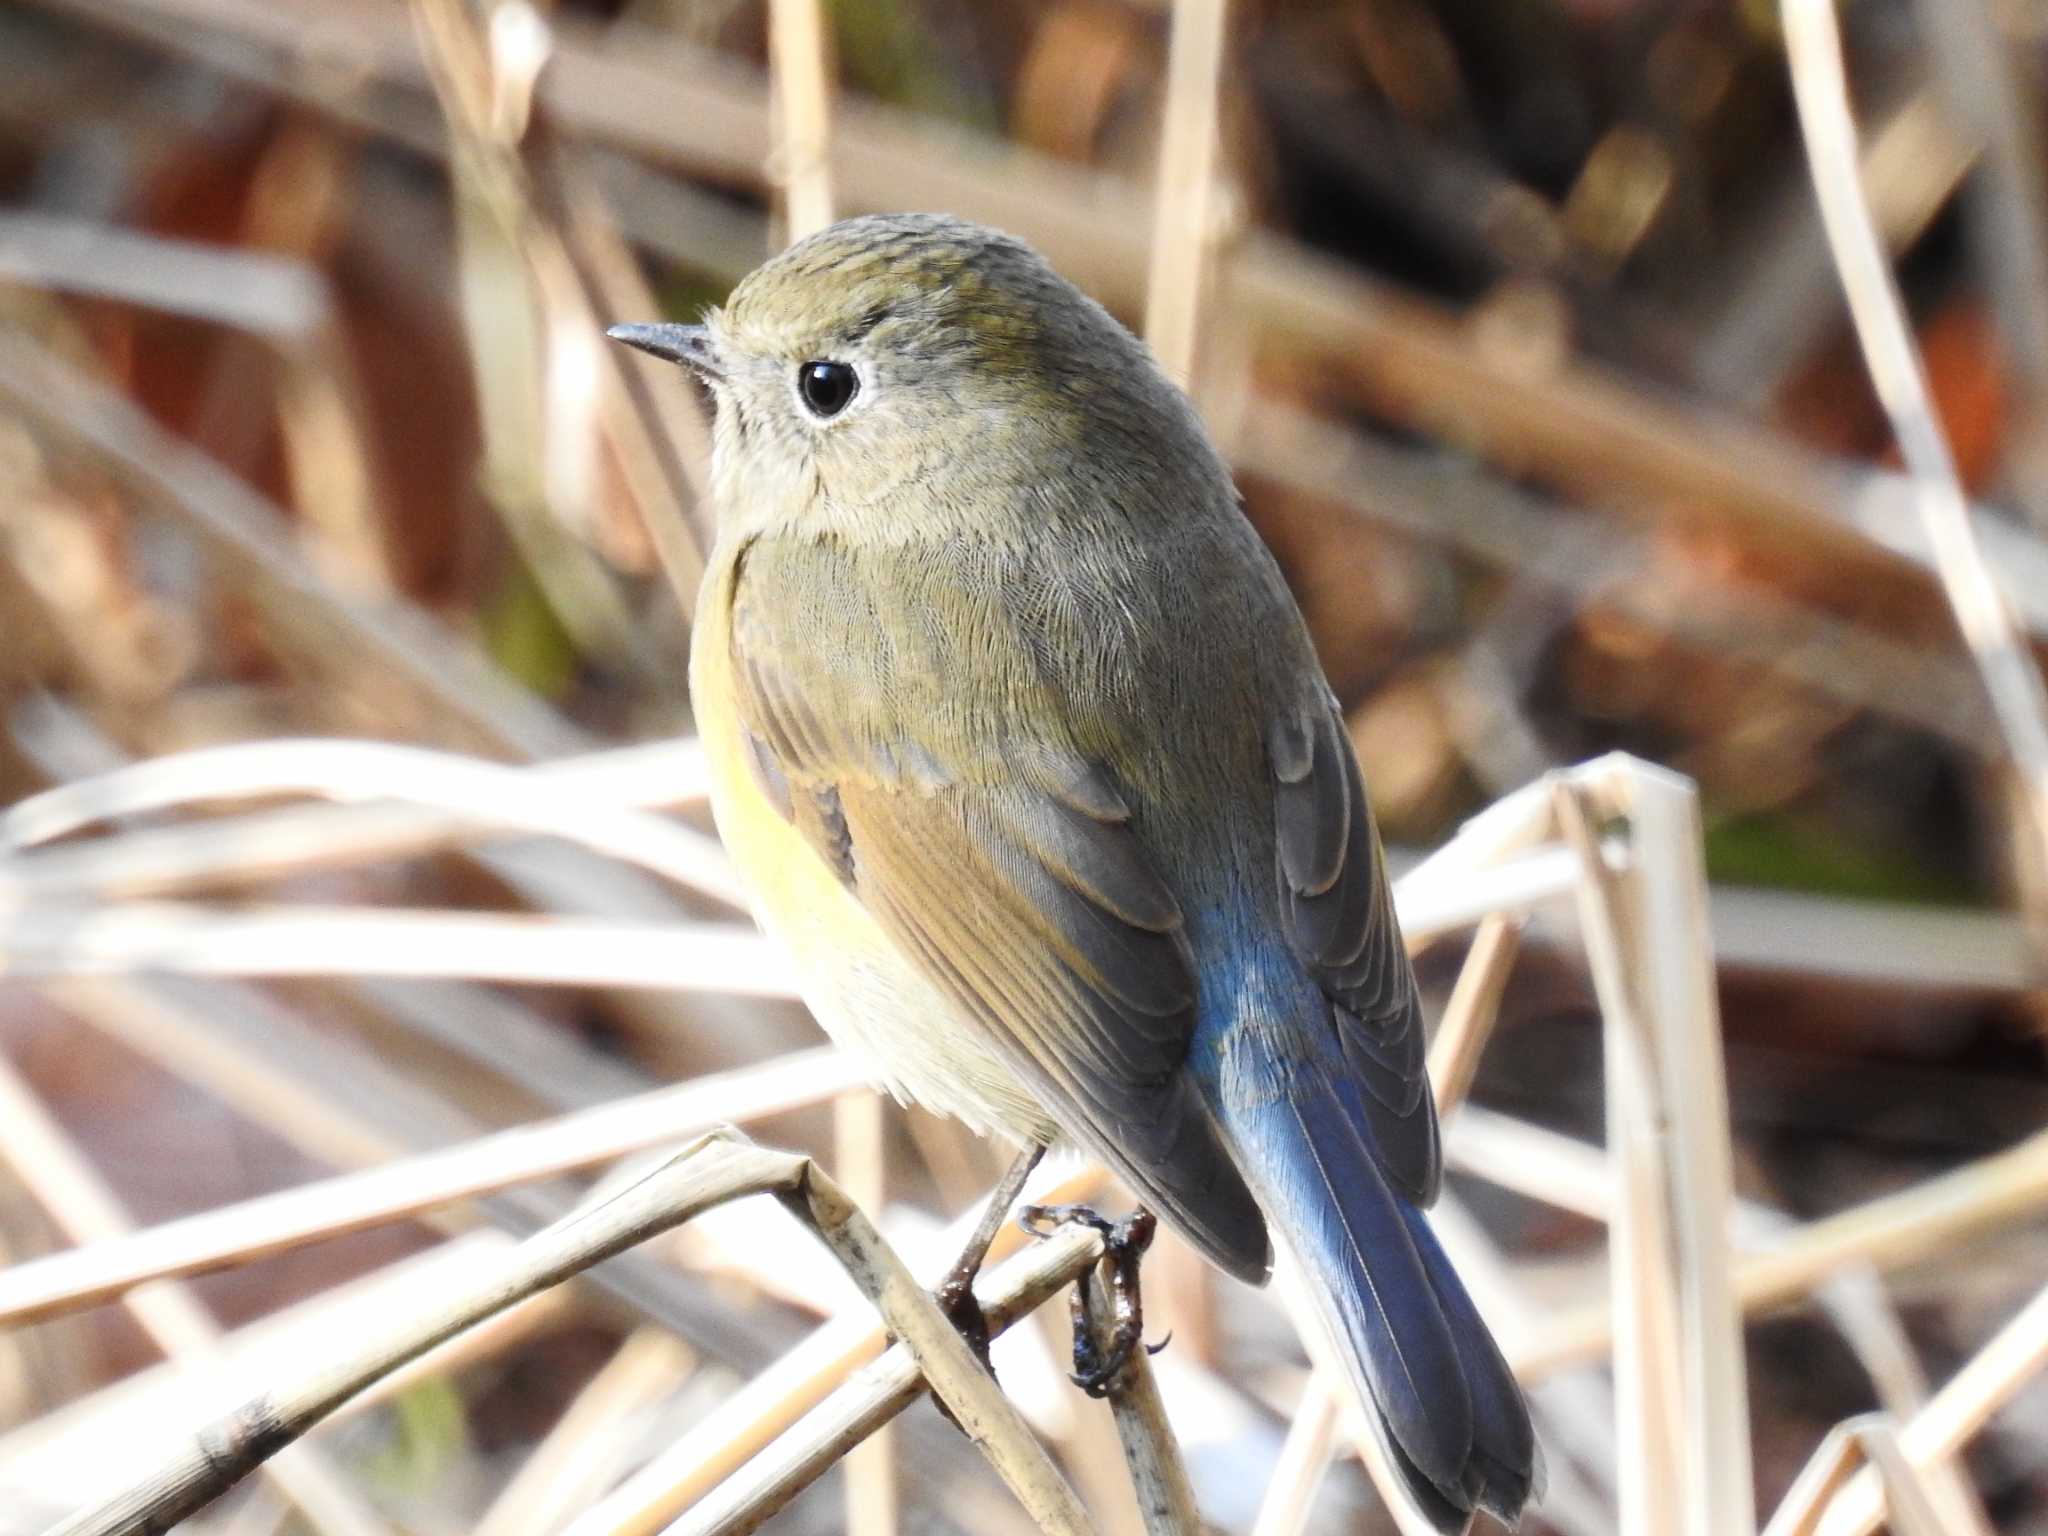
(1020, 742)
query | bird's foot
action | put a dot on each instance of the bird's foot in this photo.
(956, 1298)
(1124, 1243)
(955, 1294)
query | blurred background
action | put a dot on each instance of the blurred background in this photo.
(1520, 326)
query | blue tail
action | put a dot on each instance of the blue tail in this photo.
(1451, 1417)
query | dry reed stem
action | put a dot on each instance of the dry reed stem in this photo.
(1184, 226)
(1888, 1232)
(659, 433)
(772, 1401)
(1909, 1503)
(1832, 1464)
(244, 1049)
(1982, 87)
(74, 1453)
(1871, 1439)
(284, 302)
(1507, 832)
(483, 794)
(1680, 1397)
(529, 949)
(1856, 1302)
(1159, 1474)
(52, 938)
(589, 1443)
(2013, 1358)
(769, 1402)
(232, 849)
(1583, 554)
(1474, 1006)
(279, 297)
(680, 106)
(859, 1151)
(710, 1172)
(1304, 1459)
(574, 275)
(452, 685)
(1820, 87)
(870, 1397)
(1559, 1170)
(1538, 1163)
(51, 1167)
(534, 340)
(799, 50)
(404, 1187)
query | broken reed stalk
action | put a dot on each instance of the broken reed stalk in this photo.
(1871, 1439)
(709, 1172)
(1680, 1397)
(73, 1455)
(1820, 87)
(2016, 1354)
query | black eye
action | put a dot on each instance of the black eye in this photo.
(826, 387)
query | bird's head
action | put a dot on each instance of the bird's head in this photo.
(902, 351)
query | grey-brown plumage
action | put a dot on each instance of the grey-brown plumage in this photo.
(1022, 742)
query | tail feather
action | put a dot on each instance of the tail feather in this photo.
(1508, 1465)
(1449, 1412)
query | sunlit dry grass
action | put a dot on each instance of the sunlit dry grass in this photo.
(157, 903)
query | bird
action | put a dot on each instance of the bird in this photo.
(1018, 739)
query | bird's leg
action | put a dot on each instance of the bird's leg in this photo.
(955, 1294)
(1123, 1244)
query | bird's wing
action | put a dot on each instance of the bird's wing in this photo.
(1006, 870)
(1339, 915)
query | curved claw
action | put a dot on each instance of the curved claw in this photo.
(1123, 1243)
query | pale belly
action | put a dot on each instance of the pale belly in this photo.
(868, 997)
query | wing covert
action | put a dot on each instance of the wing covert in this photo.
(1024, 894)
(1339, 914)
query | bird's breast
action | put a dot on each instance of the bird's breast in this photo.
(854, 979)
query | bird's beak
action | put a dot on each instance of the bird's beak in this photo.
(689, 345)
